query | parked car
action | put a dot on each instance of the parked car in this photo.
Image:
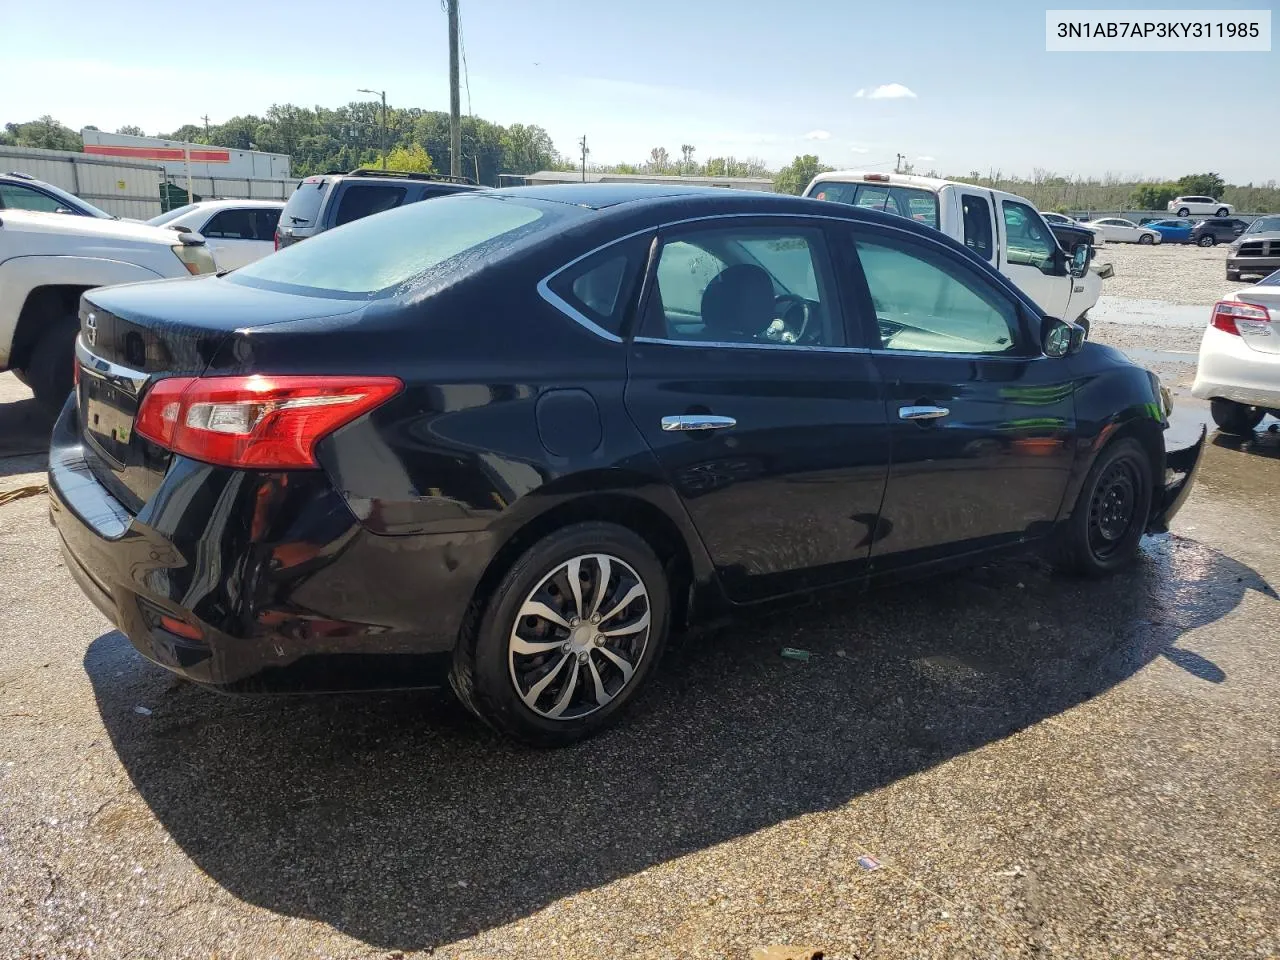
(524, 434)
(1204, 206)
(1172, 231)
(1213, 230)
(1001, 228)
(48, 260)
(20, 191)
(1117, 230)
(237, 232)
(1070, 232)
(1256, 251)
(320, 203)
(1239, 367)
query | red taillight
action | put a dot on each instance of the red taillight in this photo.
(263, 422)
(277, 239)
(1234, 317)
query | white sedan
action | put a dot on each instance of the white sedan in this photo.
(237, 232)
(1239, 367)
(1116, 230)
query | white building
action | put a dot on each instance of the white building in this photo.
(762, 184)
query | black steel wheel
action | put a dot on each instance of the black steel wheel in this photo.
(1111, 511)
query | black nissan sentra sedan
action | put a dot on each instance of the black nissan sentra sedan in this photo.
(524, 435)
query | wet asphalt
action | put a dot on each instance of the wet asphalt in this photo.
(1041, 766)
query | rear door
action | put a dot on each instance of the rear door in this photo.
(763, 418)
(982, 425)
(235, 235)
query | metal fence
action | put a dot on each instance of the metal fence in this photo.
(127, 188)
(225, 188)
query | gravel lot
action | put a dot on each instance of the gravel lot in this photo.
(1044, 767)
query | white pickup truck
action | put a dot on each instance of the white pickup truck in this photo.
(1001, 228)
(48, 259)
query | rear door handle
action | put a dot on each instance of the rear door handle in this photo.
(697, 421)
(922, 413)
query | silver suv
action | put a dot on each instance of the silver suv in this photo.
(332, 199)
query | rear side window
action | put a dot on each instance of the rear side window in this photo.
(361, 200)
(265, 222)
(230, 225)
(410, 244)
(303, 206)
(976, 214)
(601, 288)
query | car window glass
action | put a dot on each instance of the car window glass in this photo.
(602, 286)
(976, 213)
(837, 192)
(303, 206)
(230, 225)
(15, 197)
(872, 197)
(926, 303)
(1030, 243)
(363, 200)
(757, 285)
(265, 222)
(918, 205)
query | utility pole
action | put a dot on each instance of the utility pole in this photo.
(382, 134)
(455, 95)
(583, 143)
(897, 167)
(205, 118)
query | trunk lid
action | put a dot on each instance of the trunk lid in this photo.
(133, 334)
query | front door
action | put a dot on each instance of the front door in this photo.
(768, 425)
(1032, 259)
(982, 424)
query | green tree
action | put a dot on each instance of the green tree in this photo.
(129, 130)
(659, 161)
(1200, 185)
(1153, 196)
(794, 177)
(45, 133)
(410, 159)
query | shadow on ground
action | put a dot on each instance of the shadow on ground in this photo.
(25, 427)
(402, 822)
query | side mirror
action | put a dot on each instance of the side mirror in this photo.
(1078, 333)
(64, 210)
(1055, 337)
(1079, 259)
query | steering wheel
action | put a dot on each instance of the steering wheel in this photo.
(779, 331)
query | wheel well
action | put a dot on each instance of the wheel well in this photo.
(642, 518)
(1147, 433)
(42, 305)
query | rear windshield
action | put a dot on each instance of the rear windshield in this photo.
(909, 202)
(173, 214)
(304, 204)
(376, 255)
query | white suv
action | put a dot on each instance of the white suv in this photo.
(1207, 206)
(48, 259)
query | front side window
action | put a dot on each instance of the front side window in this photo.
(14, 197)
(750, 285)
(361, 200)
(1029, 242)
(927, 303)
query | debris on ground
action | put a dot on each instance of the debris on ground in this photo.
(21, 493)
(785, 953)
(142, 711)
(791, 653)
(868, 862)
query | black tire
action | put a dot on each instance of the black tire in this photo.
(1224, 212)
(1233, 274)
(1110, 515)
(49, 369)
(1208, 240)
(1083, 321)
(1146, 238)
(1184, 212)
(1237, 418)
(486, 670)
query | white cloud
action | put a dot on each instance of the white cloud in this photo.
(818, 135)
(860, 149)
(926, 159)
(889, 91)
(860, 94)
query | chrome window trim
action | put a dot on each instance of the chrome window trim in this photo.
(568, 309)
(761, 345)
(95, 366)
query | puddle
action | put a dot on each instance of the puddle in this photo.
(1150, 313)
(1144, 356)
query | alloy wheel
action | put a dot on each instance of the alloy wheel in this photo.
(579, 637)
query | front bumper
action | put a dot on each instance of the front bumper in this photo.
(1181, 467)
(261, 582)
(1255, 265)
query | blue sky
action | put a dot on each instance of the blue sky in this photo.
(741, 78)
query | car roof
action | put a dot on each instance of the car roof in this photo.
(233, 202)
(598, 196)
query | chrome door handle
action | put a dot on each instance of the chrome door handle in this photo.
(922, 413)
(697, 421)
